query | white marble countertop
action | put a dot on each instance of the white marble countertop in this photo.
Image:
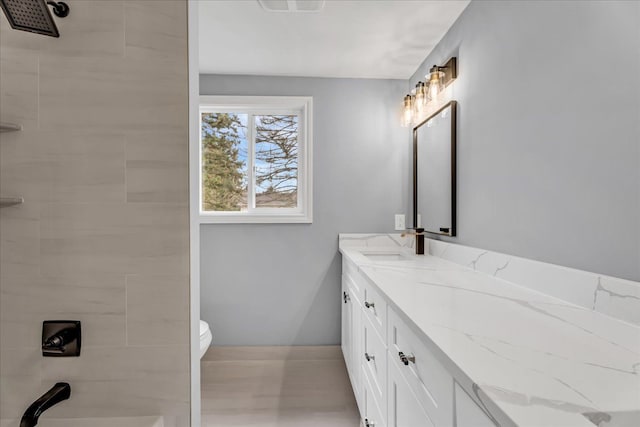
(541, 361)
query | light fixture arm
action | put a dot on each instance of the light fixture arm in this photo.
(450, 70)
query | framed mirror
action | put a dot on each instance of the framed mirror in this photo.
(434, 172)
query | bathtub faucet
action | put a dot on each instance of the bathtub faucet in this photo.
(58, 393)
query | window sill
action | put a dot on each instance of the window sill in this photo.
(256, 219)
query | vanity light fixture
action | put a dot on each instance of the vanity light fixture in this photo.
(439, 77)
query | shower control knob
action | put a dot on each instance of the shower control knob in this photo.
(61, 338)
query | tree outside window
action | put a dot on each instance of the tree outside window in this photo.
(255, 161)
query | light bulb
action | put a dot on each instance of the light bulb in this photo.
(421, 97)
(435, 81)
(407, 110)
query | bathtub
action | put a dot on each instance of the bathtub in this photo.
(91, 422)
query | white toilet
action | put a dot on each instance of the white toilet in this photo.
(205, 337)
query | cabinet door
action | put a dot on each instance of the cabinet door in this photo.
(347, 324)
(352, 336)
(405, 409)
(468, 414)
(374, 362)
(375, 309)
(356, 346)
(371, 414)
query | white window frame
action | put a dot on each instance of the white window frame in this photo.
(300, 105)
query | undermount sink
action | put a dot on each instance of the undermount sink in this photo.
(384, 256)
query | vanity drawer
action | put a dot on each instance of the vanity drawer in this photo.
(429, 380)
(352, 289)
(375, 309)
(372, 415)
(374, 363)
(356, 281)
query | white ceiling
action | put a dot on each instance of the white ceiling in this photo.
(365, 39)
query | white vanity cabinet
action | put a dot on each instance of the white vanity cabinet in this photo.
(352, 331)
(364, 345)
(396, 378)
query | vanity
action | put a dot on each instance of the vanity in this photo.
(436, 334)
(456, 338)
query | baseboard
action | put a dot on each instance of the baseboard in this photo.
(235, 353)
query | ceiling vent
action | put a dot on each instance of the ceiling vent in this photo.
(292, 5)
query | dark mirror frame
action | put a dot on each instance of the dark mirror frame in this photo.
(454, 114)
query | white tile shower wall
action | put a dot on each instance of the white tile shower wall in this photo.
(103, 234)
(615, 297)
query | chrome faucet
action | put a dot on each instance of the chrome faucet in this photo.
(58, 393)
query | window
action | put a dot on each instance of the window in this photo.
(255, 159)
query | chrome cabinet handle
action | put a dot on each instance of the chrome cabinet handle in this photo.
(406, 359)
(369, 357)
(345, 296)
(367, 423)
(369, 304)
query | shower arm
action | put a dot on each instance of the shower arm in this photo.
(60, 8)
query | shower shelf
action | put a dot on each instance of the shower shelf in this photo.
(5, 202)
(9, 127)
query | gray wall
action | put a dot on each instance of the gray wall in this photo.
(548, 163)
(279, 284)
(549, 130)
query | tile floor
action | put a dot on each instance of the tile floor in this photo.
(276, 387)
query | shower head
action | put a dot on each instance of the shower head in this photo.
(34, 15)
